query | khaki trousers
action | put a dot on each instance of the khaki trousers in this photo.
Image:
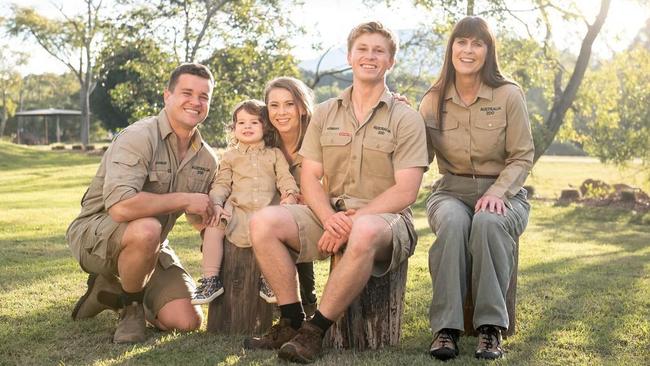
(482, 243)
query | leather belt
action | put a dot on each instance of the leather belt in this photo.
(474, 176)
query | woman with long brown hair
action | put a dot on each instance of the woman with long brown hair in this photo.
(478, 130)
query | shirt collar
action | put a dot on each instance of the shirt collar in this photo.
(346, 97)
(165, 129)
(484, 91)
(250, 147)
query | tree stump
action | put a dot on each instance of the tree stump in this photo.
(240, 310)
(374, 319)
(511, 300)
(569, 195)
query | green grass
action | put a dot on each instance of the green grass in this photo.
(583, 294)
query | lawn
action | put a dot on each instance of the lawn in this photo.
(583, 295)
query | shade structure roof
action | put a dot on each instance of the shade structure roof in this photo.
(49, 112)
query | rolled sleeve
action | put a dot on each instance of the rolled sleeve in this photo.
(311, 147)
(519, 148)
(411, 149)
(126, 173)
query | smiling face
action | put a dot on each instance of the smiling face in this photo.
(370, 57)
(249, 128)
(188, 103)
(284, 112)
(468, 56)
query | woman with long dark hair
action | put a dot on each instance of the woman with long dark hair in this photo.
(478, 130)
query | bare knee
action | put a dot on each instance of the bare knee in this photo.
(181, 315)
(367, 234)
(143, 234)
(267, 224)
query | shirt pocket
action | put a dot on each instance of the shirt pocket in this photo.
(490, 136)
(158, 181)
(378, 156)
(336, 151)
(198, 183)
(445, 139)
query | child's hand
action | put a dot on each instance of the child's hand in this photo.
(290, 199)
(219, 213)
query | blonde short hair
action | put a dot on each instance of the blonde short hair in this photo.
(374, 27)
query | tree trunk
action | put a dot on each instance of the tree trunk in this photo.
(5, 114)
(563, 99)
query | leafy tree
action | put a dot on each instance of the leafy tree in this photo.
(131, 76)
(10, 84)
(240, 73)
(71, 40)
(612, 116)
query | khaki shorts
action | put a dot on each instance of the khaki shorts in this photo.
(310, 230)
(95, 242)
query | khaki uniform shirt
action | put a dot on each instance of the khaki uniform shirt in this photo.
(360, 158)
(249, 178)
(490, 137)
(143, 158)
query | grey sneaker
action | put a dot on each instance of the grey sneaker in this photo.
(266, 292)
(132, 326)
(209, 289)
(489, 343)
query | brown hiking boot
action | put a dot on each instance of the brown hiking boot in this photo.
(489, 343)
(274, 338)
(445, 344)
(305, 347)
(132, 326)
(102, 294)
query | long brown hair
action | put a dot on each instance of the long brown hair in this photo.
(302, 95)
(469, 27)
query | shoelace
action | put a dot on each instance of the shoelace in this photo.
(488, 338)
(444, 339)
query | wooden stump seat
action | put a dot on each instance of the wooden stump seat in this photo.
(374, 319)
(240, 310)
(511, 300)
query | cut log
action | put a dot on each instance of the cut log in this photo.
(511, 301)
(240, 310)
(374, 319)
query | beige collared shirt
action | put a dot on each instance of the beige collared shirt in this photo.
(360, 157)
(491, 136)
(143, 158)
(250, 177)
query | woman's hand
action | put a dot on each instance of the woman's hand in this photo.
(400, 98)
(491, 203)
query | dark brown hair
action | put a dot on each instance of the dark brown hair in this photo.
(469, 27)
(374, 27)
(302, 96)
(192, 69)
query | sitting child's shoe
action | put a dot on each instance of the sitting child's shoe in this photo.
(209, 289)
(266, 292)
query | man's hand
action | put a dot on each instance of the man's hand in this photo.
(329, 244)
(199, 204)
(339, 224)
(492, 203)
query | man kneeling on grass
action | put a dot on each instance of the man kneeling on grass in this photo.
(154, 170)
(364, 155)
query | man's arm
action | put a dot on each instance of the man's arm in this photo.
(337, 223)
(145, 204)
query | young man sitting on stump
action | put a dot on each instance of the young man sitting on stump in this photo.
(369, 152)
(154, 170)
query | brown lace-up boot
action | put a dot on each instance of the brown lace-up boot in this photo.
(274, 338)
(305, 347)
(489, 343)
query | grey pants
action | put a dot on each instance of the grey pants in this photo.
(482, 243)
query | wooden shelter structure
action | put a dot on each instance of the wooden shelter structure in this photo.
(47, 114)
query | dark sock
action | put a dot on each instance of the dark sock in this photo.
(320, 321)
(129, 298)
(293, 312)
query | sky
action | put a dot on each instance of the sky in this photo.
(328, 22)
